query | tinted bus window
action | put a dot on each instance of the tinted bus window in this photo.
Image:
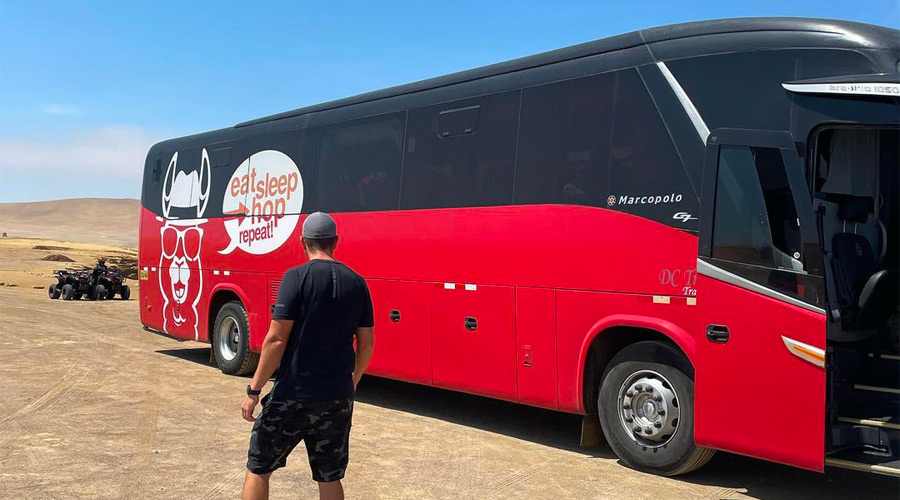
(564, 142)
(600, 141)
(461, 154)
(359, 164)
(646, 176)
(261, 161)
(151, 191)
(755, 220)
(743, 90)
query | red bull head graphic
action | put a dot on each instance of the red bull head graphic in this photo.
(184, 198)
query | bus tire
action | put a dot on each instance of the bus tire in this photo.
(231, 340)
(646, 409)
(67, 292)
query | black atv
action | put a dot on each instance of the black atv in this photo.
(55, 290)
(112, 282)
(70, 284)
(95, 284)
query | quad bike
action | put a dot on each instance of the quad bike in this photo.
(80, 286)
(75, 284)
(99, 283)
(70, 284)
(113, 283)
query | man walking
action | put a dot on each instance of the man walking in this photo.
(322, 305)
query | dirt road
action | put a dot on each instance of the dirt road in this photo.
(92, 406)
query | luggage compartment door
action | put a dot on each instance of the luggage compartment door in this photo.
(402, 330)
(473, 339)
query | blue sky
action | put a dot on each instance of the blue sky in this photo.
(86, 87)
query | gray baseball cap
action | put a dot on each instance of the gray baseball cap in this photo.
(319, 226)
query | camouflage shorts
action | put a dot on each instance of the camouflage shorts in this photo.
(324, 426)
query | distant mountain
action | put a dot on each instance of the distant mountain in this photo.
(106, 221)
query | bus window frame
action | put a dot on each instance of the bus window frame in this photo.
(783, 141)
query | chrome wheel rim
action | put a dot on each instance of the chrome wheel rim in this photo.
(228, 338)
(648, 409)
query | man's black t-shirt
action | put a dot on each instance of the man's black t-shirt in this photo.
(328, 301)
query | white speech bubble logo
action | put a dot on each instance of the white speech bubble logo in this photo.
(262, 190)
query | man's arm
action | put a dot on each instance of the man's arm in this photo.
(365, 346)
(272, 351)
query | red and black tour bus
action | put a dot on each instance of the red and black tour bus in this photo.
(688, 233)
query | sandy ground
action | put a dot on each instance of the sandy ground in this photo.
(102, 221)
(95, 407)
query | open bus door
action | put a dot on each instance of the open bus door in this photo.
(760, 376)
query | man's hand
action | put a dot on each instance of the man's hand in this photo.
(248, 406)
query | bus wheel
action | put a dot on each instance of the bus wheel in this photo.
(646, 408)
(231, 340)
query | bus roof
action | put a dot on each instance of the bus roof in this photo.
(856, 34)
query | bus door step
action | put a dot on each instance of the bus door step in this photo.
(861, 461)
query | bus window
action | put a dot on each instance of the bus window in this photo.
(714, 81)
(448, 166)
(359, 164)
(646, 174)
(564, 142)
(152, 185)
(599, 141)
(755, 219)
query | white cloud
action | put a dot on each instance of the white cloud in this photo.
(59, 109)
(77, 162)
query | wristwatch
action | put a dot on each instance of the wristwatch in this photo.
(251, 392)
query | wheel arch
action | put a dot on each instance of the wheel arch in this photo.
(609, 336)
(218, 297)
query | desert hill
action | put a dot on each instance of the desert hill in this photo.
(101, 221)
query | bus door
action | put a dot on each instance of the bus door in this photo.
(760, 377)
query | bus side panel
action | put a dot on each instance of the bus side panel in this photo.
(180, 267)
(255, 288)
(753, 396)
(150, 301)
(581, 315)
(153, 303)
(402, 330)
(536, 346)
(603, 249)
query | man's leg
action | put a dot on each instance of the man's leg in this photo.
(328, 445)
(256, 487)
(271, 441)
(331, 491)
